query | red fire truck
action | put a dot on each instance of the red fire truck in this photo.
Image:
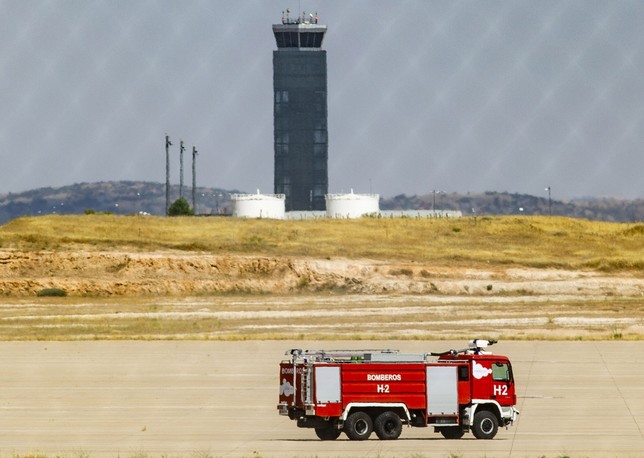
(361, 391)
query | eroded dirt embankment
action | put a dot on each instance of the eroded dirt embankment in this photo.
(115, 273)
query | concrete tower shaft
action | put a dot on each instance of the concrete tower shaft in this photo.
(300, 113)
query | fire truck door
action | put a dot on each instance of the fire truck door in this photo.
(502, 383)
(442, 393)
(327, 384)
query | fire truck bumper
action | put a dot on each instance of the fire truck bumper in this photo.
(509, 415)
(283, 409)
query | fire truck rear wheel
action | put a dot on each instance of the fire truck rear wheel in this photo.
(388, 426)
(485, 425)
(358, 426)
(452, 432)
(328, 433)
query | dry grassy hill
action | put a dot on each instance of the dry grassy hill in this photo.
(154, 264)
(121, 255)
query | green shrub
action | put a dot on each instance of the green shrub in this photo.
(180, 207)
(52, 292)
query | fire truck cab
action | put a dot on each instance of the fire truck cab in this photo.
(363, 391)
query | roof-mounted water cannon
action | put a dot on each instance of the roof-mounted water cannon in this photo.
(477, 345)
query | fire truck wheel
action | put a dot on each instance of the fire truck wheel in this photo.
(328, 433)
(388, 426)
(358, 426)
(485, 425)
(452, 432)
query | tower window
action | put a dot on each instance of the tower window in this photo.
(281, 96)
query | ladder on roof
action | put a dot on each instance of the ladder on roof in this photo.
(475, 346)
(380, 355)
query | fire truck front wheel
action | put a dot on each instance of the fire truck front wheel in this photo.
(358, 426)
(388, 426)
(485, 425)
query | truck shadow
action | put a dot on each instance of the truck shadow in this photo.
(405, 439)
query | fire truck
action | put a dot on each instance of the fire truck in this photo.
(363, 391)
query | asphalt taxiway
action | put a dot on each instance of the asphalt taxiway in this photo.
(189, 398)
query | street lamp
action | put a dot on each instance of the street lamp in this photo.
(549, 201)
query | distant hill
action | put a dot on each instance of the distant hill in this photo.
(130, 197)
(118, 197)
(503, 203)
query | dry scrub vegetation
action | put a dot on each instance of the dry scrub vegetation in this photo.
(135, 277)
(526, 241)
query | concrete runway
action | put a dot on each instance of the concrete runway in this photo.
(198, 399)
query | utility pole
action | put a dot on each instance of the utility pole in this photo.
(434, 192)
(168, 144)
(194, 178)
(181, 150)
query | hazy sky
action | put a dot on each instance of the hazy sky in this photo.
(423, 95)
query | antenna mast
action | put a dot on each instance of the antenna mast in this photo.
(194, 178)
(181, 150)
(168, 144)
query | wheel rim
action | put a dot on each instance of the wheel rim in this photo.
(361, 427)
(487, 426)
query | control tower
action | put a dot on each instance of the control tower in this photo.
(300, 112)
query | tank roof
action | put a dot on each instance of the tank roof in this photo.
(258, 196)
(352, 196)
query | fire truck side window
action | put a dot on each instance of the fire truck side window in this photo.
(500, 372)
(463, 373)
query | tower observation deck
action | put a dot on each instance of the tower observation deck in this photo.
(300, 112)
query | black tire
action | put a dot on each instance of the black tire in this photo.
(452, 432)
(485, 425)
(388, 426)
(328, 433)
(358, 426)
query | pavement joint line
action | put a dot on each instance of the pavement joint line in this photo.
(621, 395)
(523, 397)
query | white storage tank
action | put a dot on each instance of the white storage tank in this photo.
(351, 205)
(258, 205)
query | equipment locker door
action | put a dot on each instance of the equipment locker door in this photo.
(327, 384)
(442, 392)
